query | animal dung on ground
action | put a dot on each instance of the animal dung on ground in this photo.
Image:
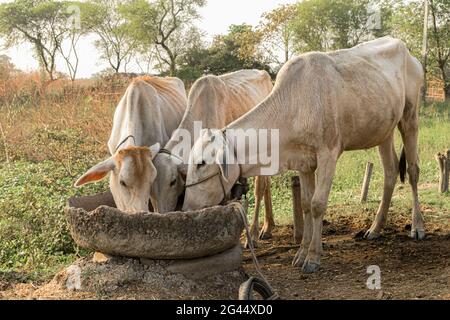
(172, 236)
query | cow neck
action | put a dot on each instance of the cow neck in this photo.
(263, 116)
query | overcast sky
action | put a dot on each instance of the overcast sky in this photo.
(217, 15)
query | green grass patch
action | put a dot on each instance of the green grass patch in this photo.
(35, 186)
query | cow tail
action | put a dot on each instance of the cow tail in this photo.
(402, 166)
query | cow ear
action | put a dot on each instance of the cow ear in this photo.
(182, 171)
(154, 150)
(97, 172)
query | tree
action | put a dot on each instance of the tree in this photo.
(165, 24)
(39, 22)
(75, 30)
(194, 63)
(230, 52)
(104, 19)
(407, 24)
(440, 40)
(324, 25)
(277, 34)
(239, 49)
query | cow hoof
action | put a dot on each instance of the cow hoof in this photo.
(254, 242)
(310, 267)
(371, 235)
(418, 234)
(265, 235)
(299, 260)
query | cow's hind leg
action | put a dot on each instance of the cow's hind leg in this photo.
(269, 222)
(409, 128)
(307, 181)
(390, 164)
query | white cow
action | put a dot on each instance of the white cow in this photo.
(145, 118)
(324, 104)
(214, 101)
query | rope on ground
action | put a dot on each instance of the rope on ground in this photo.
(262, 286)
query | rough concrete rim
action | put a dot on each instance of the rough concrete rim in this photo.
(179, 235)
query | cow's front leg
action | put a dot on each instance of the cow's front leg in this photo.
(307, 182)
(269, 222)
(260, 185)
(326, 166)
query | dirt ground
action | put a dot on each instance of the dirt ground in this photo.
(409, 269)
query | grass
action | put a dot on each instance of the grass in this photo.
(44, 148)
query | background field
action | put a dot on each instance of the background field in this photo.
(43, 149)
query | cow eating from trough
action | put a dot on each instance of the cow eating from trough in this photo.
(322, 105)
(213, 102)
(146, 117)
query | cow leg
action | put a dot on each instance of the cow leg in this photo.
(390, 164)
(307, 181)
(410, 135)
(269, 223)
(326, 167)
(258, 194)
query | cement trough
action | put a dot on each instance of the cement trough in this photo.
(95, 224)
(177, 255)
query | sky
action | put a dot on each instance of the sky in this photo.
(217, 16)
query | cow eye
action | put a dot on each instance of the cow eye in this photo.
(123, 184)
(173, 182)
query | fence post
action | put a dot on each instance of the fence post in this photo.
(444, 170)
(297, 210)
(447, 172)
(366, 183)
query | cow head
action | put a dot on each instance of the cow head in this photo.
(169, 183)
(210, 176)
(132, 174)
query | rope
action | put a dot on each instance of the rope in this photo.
(262, 285)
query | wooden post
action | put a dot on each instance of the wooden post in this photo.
(447, 172)
(297, 210)
(366, 183)
(425, 51)
(444, 171)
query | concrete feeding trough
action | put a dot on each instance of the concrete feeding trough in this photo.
(190, 254)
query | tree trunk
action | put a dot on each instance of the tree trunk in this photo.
(447, 91)
(173, 68)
